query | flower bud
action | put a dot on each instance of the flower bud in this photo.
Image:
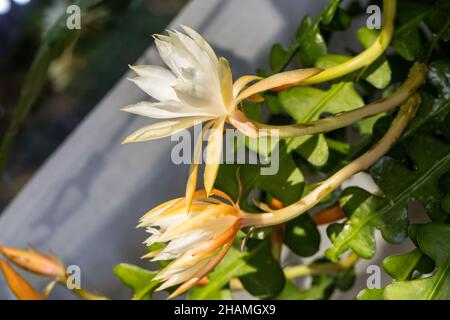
(35, 262)
(18, 285)
(195, 241)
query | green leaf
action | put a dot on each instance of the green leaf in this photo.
(439, 76)
(434, 113)
(321, 289)
(401, 266)
(232, 266)
(371, 294)
(268, 280)
(308, 40)
(328, 13)
(306, 104)
(379, 72)
(434, 240)
(341, 21)
(400, 183)
(137, 279)
(437, 18)
(366, 212)
(407, 40)
(312, 44)
(279, 57)
(302, 236)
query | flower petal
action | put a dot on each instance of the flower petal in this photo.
(213, 154)
(242, 82)
(172, 56)
(212, 263)
(191, 184)
(156, 81)
(201, 42)
(167, 109)
(202, 97)
(163, 129)
(226, 83)
(288, 78)
(18, 285)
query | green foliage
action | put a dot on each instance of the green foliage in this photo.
(305, 104)
(137, 279)
(233, 265)
(54, 42)
(366, 212)
(308, 43)
(286, 185)
(433, 239)
(268, 279)
(302, 236)
(428, 159)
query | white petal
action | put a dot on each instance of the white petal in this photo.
(167, 109)
(183, 276)
(177, 247)
(175, 58)
(163, 129)
(197, 95)
(156, 81)
(201, 42)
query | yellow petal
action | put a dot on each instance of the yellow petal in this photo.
(191, 184)
(226, 83)
(196, 278)
(240, 121)
(163, 129)
(213, 154)
(242, 82)
(288, 78)
(200, 220)
(18, 285)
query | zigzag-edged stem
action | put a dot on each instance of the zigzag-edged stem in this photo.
(405, 114)
(416, 78)
(366, 57)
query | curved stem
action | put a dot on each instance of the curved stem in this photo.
(406, 113)
(311, 76)
(83, 294)
(86, 295)
(366, 57)
(416, 78)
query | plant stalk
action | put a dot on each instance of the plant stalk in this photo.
(405, 114)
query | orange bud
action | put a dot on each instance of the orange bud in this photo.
(35, 262)
(329, 215)
(18, 285)
(276, 204)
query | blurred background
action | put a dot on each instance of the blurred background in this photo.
(114, 33)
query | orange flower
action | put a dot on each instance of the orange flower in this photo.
(195, 241)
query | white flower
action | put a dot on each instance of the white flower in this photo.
(195, 241)
(198, 88)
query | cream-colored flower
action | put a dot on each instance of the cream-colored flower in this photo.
(195, 241)
(198, 87)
